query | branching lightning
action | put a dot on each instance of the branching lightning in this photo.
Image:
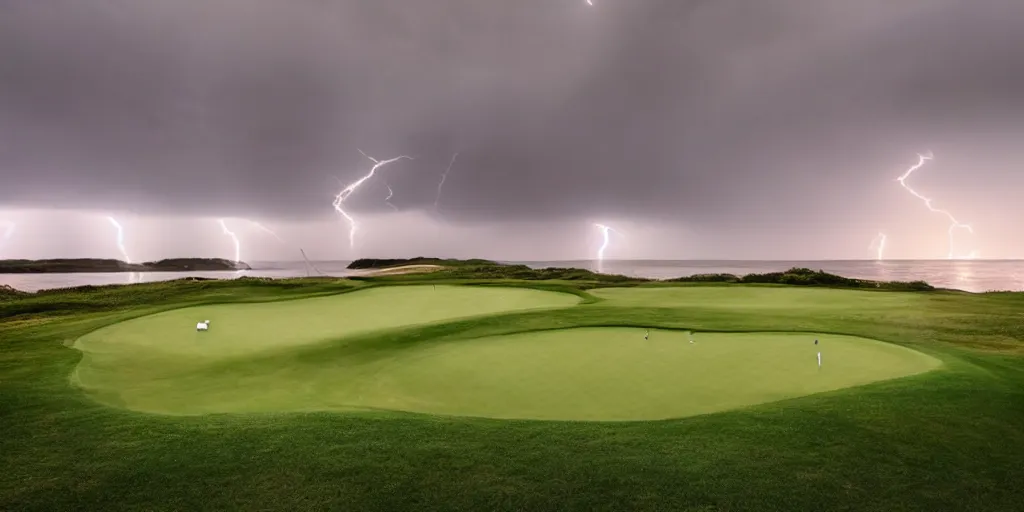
(348, 190)
(391, 193)
(878, 244)
(238, 242)
(267, 230)
(120, 239)
(234, 238)
(954, 224)
(437, 200)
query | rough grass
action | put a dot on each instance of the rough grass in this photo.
(951, 439)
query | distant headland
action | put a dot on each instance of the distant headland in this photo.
(487, 269)
(55, 266)
(377, 263)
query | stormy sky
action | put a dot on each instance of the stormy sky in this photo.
(734, 129)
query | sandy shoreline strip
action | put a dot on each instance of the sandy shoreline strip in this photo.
(406, 269)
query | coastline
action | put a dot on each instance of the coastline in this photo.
(95, 265)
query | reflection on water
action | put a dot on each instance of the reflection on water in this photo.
(968, 275)
(964, 273)
(882, 270)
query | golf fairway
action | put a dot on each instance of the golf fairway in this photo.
(245, 364)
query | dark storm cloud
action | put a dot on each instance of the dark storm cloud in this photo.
(712, 111)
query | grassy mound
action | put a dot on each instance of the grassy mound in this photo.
(160, 363)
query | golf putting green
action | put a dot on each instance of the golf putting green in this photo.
(615, 374)
(243, 329)
(611, 374)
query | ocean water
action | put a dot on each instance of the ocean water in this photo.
(968, 275)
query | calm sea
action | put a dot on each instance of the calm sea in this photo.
(972, 275)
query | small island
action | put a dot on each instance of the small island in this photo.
(78, 265)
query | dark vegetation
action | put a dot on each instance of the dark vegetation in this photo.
(76, 265)
(7, 293)
(523, 272)
(377, 263)
(484, 269)
(805, 277)
(180, 264)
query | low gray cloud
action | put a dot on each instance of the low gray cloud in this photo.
(721, 112)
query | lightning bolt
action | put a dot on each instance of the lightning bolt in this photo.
(954, 224)
(120, 238)
(387, 200)
(437, 200)
(267, 230)
(605, 231)
(590, 2)
(238, 245)
(878, 244)
(348, 190)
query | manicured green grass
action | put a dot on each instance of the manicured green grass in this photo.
(570, 374)
(161, 364)
(948, 439)
(243, 329)
(615, 374)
